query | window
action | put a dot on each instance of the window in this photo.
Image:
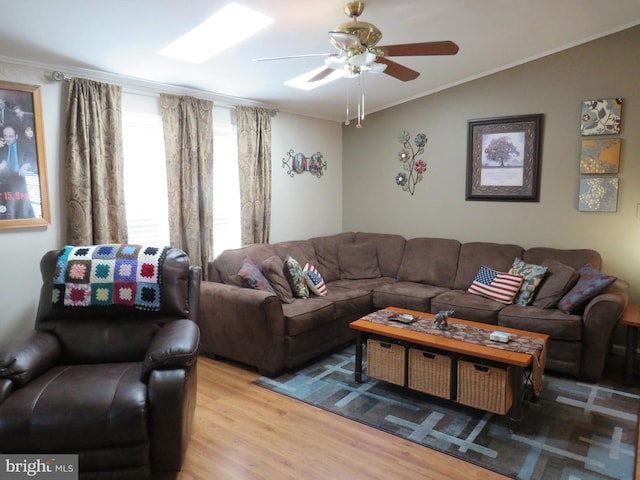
(226, 183)
(145, 179)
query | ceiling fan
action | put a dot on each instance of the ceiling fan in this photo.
(357, 43)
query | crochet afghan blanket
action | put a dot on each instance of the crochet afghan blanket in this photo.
(104, 275)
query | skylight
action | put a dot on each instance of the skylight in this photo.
(228, 26)
(302, 82)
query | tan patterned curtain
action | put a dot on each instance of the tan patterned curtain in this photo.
(94, 164)
(188, 139)
(254, 157)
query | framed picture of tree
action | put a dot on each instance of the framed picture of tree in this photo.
(503, 158)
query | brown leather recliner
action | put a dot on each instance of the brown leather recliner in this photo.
(109, 371)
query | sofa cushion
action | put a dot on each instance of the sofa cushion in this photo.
(411, 295)
(559, 279)
(390, 250)
(326, 249)
(474, 254)
(433, 261)
(532, 276)
(499, 286)
(252, 276)
(367, 284)
(307, 314)
(591, 283)
(314, 280)
(573, 257)
(295, 277)
(358, 260)
(301, 250)
(350, 303)
(273, 270)
(554, 323)
(467, 306)
(109, 409)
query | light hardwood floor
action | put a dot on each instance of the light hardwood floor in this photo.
(242, 431)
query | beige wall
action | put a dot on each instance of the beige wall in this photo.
(555, 86)
(305, 206)
(22, 248)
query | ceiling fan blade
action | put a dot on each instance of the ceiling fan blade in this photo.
(295, 56)
(322, 75)
(446, 47)
(398, 71)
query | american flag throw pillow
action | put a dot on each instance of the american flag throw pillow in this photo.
(314, 280)
(499, 286)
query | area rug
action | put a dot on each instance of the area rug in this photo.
(573, 431)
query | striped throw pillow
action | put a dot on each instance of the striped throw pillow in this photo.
(499, 286)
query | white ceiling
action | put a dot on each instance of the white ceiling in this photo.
(122, 37)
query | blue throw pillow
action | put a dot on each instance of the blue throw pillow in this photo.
(591, 283)
(252, 277)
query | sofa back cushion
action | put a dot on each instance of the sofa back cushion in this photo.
(558, 280)
(473, 255)
(229, 262)
(327, 253)
(302, 251)
(433, 261)
(358, 261)
(390, 249)
(575, 258)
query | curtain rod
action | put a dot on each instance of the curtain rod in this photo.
(59, 76)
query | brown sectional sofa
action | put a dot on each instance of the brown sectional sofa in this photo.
(367, 271)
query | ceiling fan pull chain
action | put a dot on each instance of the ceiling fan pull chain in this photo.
(362, 91)
(346, 120)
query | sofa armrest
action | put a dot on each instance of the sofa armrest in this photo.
(25, 358)
(175, 345)
(242, 324)
(598, 322)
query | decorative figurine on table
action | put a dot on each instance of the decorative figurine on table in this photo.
(440, 320)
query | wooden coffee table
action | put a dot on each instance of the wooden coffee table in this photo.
(518, 360)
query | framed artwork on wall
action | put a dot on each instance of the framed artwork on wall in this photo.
(503, 158)
(24, 198)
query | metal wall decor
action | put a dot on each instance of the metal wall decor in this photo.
(299, 163)
(413, 168)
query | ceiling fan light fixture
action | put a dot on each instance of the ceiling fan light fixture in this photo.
(362, 59)
(336, 62)
(345, 41)
(368, 34)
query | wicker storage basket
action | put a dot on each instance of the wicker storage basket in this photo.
(430, 372)
(386, 361)
(485, 385)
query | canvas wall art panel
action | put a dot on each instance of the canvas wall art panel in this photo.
(601, 117)
(600, 156)
(598, 194)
